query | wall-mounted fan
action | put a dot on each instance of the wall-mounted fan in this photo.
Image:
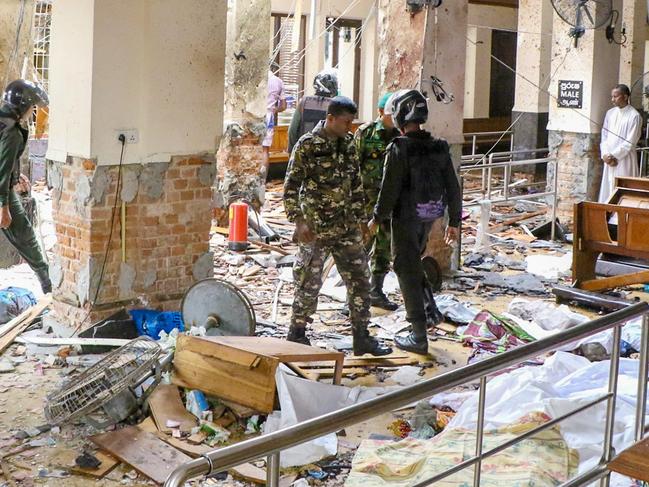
(583, 14)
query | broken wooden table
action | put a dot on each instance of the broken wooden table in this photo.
(632, 462)
(630, 204)
(242, 369)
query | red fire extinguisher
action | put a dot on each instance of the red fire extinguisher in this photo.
(238, 233)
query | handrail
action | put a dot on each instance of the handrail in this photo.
(271, 444)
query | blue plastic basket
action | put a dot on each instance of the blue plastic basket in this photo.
(151, 322)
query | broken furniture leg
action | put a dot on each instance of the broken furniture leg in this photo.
(589, 299)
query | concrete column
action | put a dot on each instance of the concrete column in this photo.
(152, 69)
(445, 57)
(574, 134)
(478, 70)
(533, 58)
(632, 54)
(401, 41)
(240, 175)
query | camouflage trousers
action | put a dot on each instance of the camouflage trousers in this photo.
(379, 247)
(350, 257)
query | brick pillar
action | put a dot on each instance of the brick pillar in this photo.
(167, 230)
(574, 133)
(154, 70)
(239, 157)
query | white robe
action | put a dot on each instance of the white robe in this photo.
(620, 134)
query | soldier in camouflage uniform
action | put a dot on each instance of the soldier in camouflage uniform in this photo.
(323, 196)
(371, 141)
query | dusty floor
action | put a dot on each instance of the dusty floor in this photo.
(23, 391)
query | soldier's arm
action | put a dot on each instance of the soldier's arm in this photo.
(390, 186)
(453, 191)
(293, 181)
(358, 193)
(9, 145)
(294, 128)
(359, 139)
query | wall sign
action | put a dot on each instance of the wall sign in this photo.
(571, 94)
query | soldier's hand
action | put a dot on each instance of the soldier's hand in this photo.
(372, 227)
(23, 185)
(303, 234)
(5, 217)
(452, 235)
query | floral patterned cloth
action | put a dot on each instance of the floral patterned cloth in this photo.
(542, 460)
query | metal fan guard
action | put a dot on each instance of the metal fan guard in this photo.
(93, 388)
(567, 11)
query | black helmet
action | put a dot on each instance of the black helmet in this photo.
(409, 106)
(325, 83)
(21, 95)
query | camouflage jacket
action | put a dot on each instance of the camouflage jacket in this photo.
(323, 184)
(371, 141)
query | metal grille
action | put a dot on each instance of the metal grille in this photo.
(103, 381)
(42, 23)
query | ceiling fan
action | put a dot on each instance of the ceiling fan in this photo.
(583, 14)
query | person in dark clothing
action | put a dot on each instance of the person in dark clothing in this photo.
(18, 103)
(419, 185)
(312, 109)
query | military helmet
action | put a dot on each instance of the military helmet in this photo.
(409, 106)
(21, 95)
(325, 83)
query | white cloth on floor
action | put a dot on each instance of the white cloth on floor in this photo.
(620, 134)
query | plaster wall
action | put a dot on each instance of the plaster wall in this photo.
(152, 65)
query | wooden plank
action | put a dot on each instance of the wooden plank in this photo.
(359, 362)
(632, 462)
(108, 463)
(197, 366)
(283, 350)
(331, 372)
(249, 473)
(72, 341)
(143, 451)
(615, 281)
(166, 405)
(22, 321)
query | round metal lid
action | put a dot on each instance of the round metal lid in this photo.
(222, 308)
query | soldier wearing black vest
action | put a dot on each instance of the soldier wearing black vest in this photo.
(18, 103)
(312, 109)
(419, 185)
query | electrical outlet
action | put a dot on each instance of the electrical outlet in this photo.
(132, 135)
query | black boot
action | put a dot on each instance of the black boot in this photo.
(297, 334)
(365, 343)
(416, 341)
(377, 297)
(44, 278)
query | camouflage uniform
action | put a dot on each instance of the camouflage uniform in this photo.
(371, 141)
(323, 185)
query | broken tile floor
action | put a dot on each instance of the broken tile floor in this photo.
(29, 373)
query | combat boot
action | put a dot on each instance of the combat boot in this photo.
(365, 343)
(44, 279)
(297, 334)
(378, 297)
(416, 341)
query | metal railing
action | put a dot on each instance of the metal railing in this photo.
(475, 136)
(271, 445)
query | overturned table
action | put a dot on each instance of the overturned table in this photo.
(242, 369)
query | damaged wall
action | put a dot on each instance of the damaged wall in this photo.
(239, 169)
(167, 230)
(155, 66)
(401, 41)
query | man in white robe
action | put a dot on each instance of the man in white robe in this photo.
(620, 134)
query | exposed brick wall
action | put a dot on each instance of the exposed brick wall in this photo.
(580, 170)
(239, 163)
(167, 231)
